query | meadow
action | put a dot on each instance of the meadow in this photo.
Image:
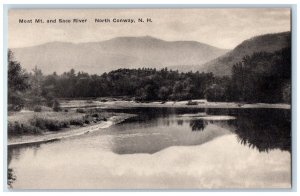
(29, 122)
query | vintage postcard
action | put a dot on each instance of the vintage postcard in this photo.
(193, 98)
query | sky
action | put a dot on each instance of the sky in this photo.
(219, 27)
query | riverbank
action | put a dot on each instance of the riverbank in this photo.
(176, 104)
(71, 131)
(75, 121)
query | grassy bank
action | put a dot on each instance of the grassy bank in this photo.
(30, 123)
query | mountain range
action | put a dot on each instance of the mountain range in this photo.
(120, 52)
(264, 43)
(146, 51)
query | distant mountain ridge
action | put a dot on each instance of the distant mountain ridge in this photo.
(120, 52)
(262, 43)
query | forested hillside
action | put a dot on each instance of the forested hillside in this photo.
(270, 43)
(261, 77)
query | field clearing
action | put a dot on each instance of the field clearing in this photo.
(25, 117)
(28, 122)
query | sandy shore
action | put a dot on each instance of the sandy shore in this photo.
(175, 104)
(66, 133)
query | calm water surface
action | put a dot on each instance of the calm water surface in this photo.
(165, 148)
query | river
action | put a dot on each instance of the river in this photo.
(165, 148)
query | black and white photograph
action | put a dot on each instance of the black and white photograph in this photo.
(149, 99)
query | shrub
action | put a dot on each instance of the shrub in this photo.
(20, 128)
(52, 125)
(49, 124)
(190, 102)
(80, 110)
(77, 122)
(14, 128)
(37, 108)
(95, 115)
(103, 100)
(16, 101)
(38, 122)
(127, 99)
(56, 106)
(49, 101)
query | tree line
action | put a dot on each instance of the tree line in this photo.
(261, 77)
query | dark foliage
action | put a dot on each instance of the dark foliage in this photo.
(17, 128)
(80, 110)
(49, 124)
(11, 177)
(190, 102)
(17, 84)
(262, 77)
(140, 84)
(37, 108)
(56, 106)
(272, 129)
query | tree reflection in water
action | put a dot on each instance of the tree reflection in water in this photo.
(11, 177)
(265, 129)
(10, 172)
(197, 125)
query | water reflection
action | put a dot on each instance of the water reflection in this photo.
(154, 129)
(11, 177)
(162, 133)
(236, 146)
(197, 125)
(262, 129)
(265, 129)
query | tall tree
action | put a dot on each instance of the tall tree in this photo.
(17, 84)
(36, 81)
